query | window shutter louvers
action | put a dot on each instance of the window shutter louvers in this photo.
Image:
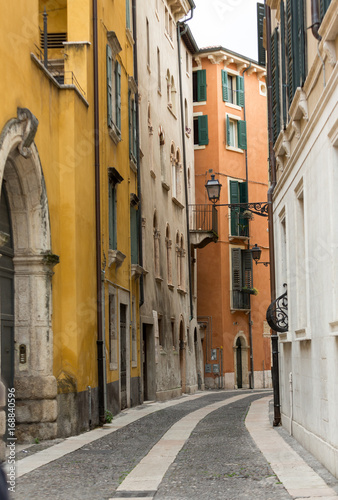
(228, 131)
(275, 85)
(261, 50)
(130, 125)
(236, 260)
(128, 14)
(134, 128)
(240, 91)
(109, 86)
(241, 129)
(201, 85)
(283, 56)
(324, 5)
(234, 198)
(289, 32)
(203, 137)
(247, 276)
(243, 198)
(300, 18)
(225, 90)
(133, 235)
(118, 94)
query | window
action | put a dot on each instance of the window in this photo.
(296, 45)
(114, 91)
(201, 137)
(168, 244)
(158, 70)
(132, 126)
(156, 234)
(275, 85)
(133, 234)
(148, 44)
(199, 81)
(163, 156)
(301, 266)
(161, 338)
(134, 335)
(129, 15)
(173, 170)
(114, 179)
(187, 66)
(181, 284)
(173, 91)
(260, 31)
(233, 88)
(236, 133)
(239, 224)
(178, 259)
(242, 284)
(173, 336)
(176, 169)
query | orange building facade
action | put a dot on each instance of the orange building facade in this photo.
(230, 137)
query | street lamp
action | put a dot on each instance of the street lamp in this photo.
(213, 187)
(256, 255)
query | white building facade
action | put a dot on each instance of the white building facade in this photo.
(305, 206)
(172, 354)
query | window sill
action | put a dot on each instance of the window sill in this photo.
(130, 37)
(187, 74)
(233, 106)
(158, 279)
(177, 202)
(171, 111)
(302, 334)
(113, 366)
(171, 286)
(136, 271)
(134, 364)
(241, 238)
(159, 92)
(246, 311)
(199, 103)
(148, 68)
(196, 147)
(157, 15)
(165, 186)
(115, 257)
(152, 173)
(181, 291)
(334, 328)
(115, 134)
(133, 164)
(169, 39)
(236, 150)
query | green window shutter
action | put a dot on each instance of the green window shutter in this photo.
(130, 124)
(109, 87)
(240, 91)
(283, 65)
(275, 85)
(203, 138)
(234, 198)
(243, 198)
(236, 261)
(134, 128)
(133, 236)
(112, 217)
(201, 85)
(324, 5)
(301, 36)
(228, 131)
(225, 90)
(241, 129)
(118, 94)
(247, 280)
(128, 13)
(290, 44)
(260, 18)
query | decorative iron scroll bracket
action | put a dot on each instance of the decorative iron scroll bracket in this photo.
(258, 208)
(277, 314)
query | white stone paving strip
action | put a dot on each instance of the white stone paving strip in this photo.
(300, 480)
(148, 474)
(32, 462)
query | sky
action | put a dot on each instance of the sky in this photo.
(229, 23)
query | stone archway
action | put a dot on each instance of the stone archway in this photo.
(35, 385)
(241, 361)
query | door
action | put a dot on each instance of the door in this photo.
(239, 363)
(6, 293)
(123, 355)
(144, 367)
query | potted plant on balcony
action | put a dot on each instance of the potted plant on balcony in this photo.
(251, 291)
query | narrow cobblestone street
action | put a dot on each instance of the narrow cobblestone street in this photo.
(196, 447)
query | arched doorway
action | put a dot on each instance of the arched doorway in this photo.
(6, 292)
(239, 374)
(182, 357)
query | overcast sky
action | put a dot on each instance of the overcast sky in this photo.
(230, 23)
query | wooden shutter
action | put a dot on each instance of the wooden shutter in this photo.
(203, 138)
(112, 217)
(236, 261)
(118, 94)
(260, 17)
(240, 91)
(241, 130)
(128, 13)
(225, 90)
(130, 113)
(290, 43)
(133, 236)
(275, 85)
(228, 131)
(301, 34)
(247, 277)
(283, 65)
(324, 5)
(243, 198)
(134, 128)
(109, 86)
(201, 85)
(234, 217)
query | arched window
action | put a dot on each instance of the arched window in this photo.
(156, 247)
(178, 259)
(177, 170)
(182, 263)
(168, 243)
(186, 118)
(173, 170)
(173, 95)
(169, 89)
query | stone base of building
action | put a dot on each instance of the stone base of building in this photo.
(191, 389)
(77, 412)
(169, 394)
(322, 450)
(262, 380)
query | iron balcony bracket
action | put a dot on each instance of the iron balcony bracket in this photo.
(277, 314)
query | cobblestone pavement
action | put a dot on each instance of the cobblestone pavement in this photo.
(219, 461)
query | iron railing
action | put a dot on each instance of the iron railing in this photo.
(277, 313)
(203, 218)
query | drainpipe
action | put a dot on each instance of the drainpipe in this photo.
(272, 163)
(139, 212)
(179, 24)
(315, 18)
(99, 342)
(252, 378)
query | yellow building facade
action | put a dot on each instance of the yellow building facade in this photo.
(69, 214)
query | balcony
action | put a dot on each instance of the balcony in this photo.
(203, 224)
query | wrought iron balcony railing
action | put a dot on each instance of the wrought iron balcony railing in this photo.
(277, 314)
(203, 223)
